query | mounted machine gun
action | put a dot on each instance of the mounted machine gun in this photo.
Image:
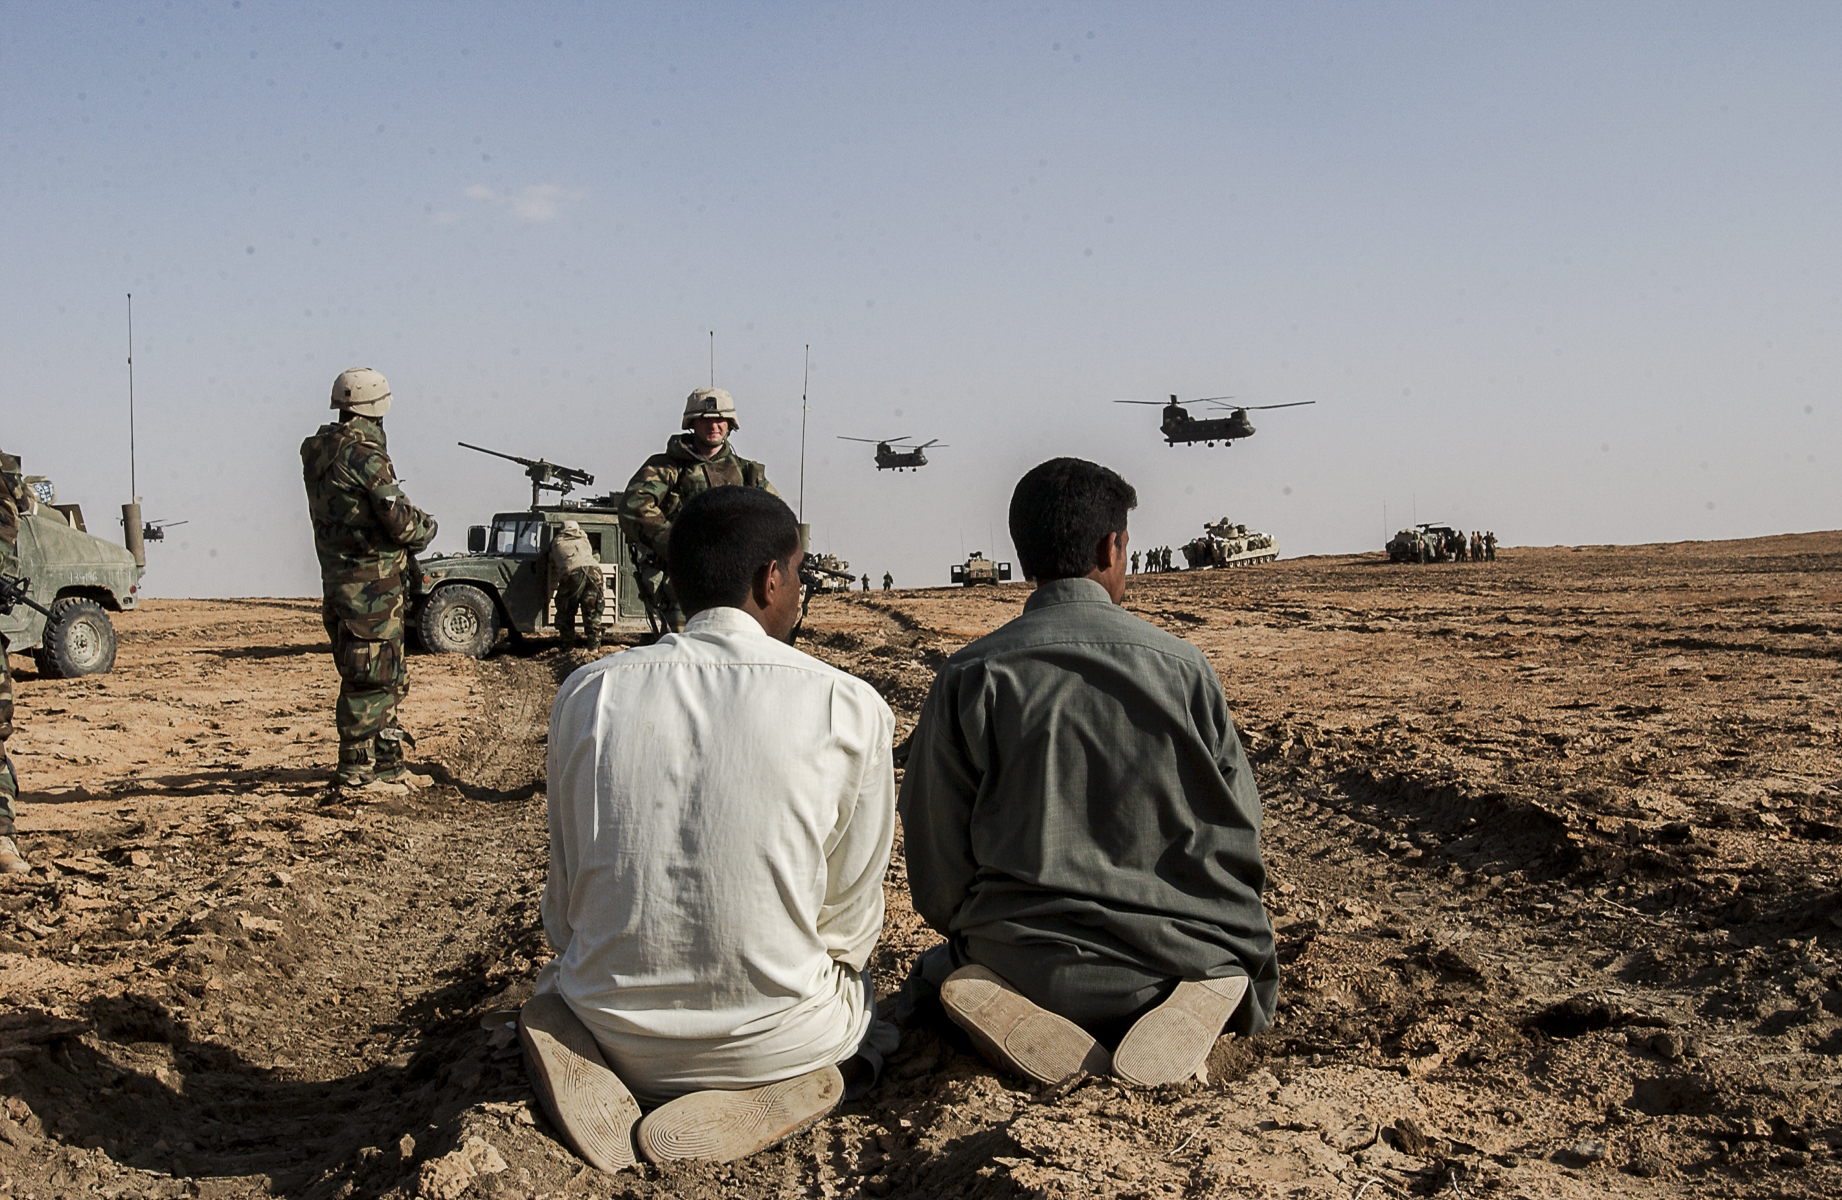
(544, 476)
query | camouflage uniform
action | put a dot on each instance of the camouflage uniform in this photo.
(364, 530)
(13, 501)
(888, 581)
(655, 494)
(579, 587)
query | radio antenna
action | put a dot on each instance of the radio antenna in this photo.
(713, 358)
(803, 410)
(134, 490)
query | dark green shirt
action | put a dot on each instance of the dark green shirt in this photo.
(1076, 781)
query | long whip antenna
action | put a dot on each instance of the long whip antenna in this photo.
(803, 410)
(133, 484)
(713, 358)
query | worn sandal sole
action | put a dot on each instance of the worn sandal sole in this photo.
(1170, 1043)
(585, 1100)
(1015, 1034)
(724, 1126)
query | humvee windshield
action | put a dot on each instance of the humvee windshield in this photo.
(522, 536)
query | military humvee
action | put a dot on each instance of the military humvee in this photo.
(979, 569)
(78, 576)
(460, 602)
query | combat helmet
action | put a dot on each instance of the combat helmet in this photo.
(710, 402)
(363, 391)
(572, 527)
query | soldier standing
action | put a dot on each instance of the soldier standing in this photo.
(577, 575)
(365, 531)
(866, 581)
(888, 581)
(13, 501)
(1490, 545)
(694, 461)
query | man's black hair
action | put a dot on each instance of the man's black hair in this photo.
(720, 538)
(1060, 511)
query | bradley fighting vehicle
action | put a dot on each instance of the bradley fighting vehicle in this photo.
(828, 572)
(1225, 544)
(460, 602)
(69, 582)
(979, 569)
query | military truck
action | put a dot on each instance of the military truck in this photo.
(459, 603)
(979, 569)
(1225, 543)
(1425, 542)
(79, 577)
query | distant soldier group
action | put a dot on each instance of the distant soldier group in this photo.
(1156, 559)
(1456, 547)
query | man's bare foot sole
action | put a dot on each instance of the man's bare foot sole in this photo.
(585, 1100)
(725, 1126)
(1016, 1035)
(1170, 1043)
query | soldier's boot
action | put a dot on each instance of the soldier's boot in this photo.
(357, 773)
(12, 862)
(356, 767)
(391, 767)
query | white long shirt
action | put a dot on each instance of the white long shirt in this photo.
(721, 813)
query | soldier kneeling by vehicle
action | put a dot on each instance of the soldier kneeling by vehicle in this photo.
(579, 586)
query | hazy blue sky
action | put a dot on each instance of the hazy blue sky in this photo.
(1571, 272)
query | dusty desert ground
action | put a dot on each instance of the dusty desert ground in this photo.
(1555, 846)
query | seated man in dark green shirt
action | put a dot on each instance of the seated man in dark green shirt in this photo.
(1081, 821)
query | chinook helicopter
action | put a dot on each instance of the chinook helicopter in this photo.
(1179, 426)
(891, 457)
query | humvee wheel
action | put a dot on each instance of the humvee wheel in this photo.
(78, 640)
(459, 619)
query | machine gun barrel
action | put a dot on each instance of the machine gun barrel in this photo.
(544, 476)
(13, 591)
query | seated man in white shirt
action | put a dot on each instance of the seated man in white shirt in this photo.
(721, 812)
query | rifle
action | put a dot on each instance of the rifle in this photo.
(13, 591)
(544, 476)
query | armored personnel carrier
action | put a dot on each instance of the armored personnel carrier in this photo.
(78, 578)
(979, 569)
(1226, 544)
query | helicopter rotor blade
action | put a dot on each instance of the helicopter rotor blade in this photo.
(1294, 404)
(872, 441)
(1157, 402)
(925, 445)
(1208, 399)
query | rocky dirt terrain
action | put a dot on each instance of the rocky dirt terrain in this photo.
(1556, 854)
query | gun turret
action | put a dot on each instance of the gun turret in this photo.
(544, 476)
